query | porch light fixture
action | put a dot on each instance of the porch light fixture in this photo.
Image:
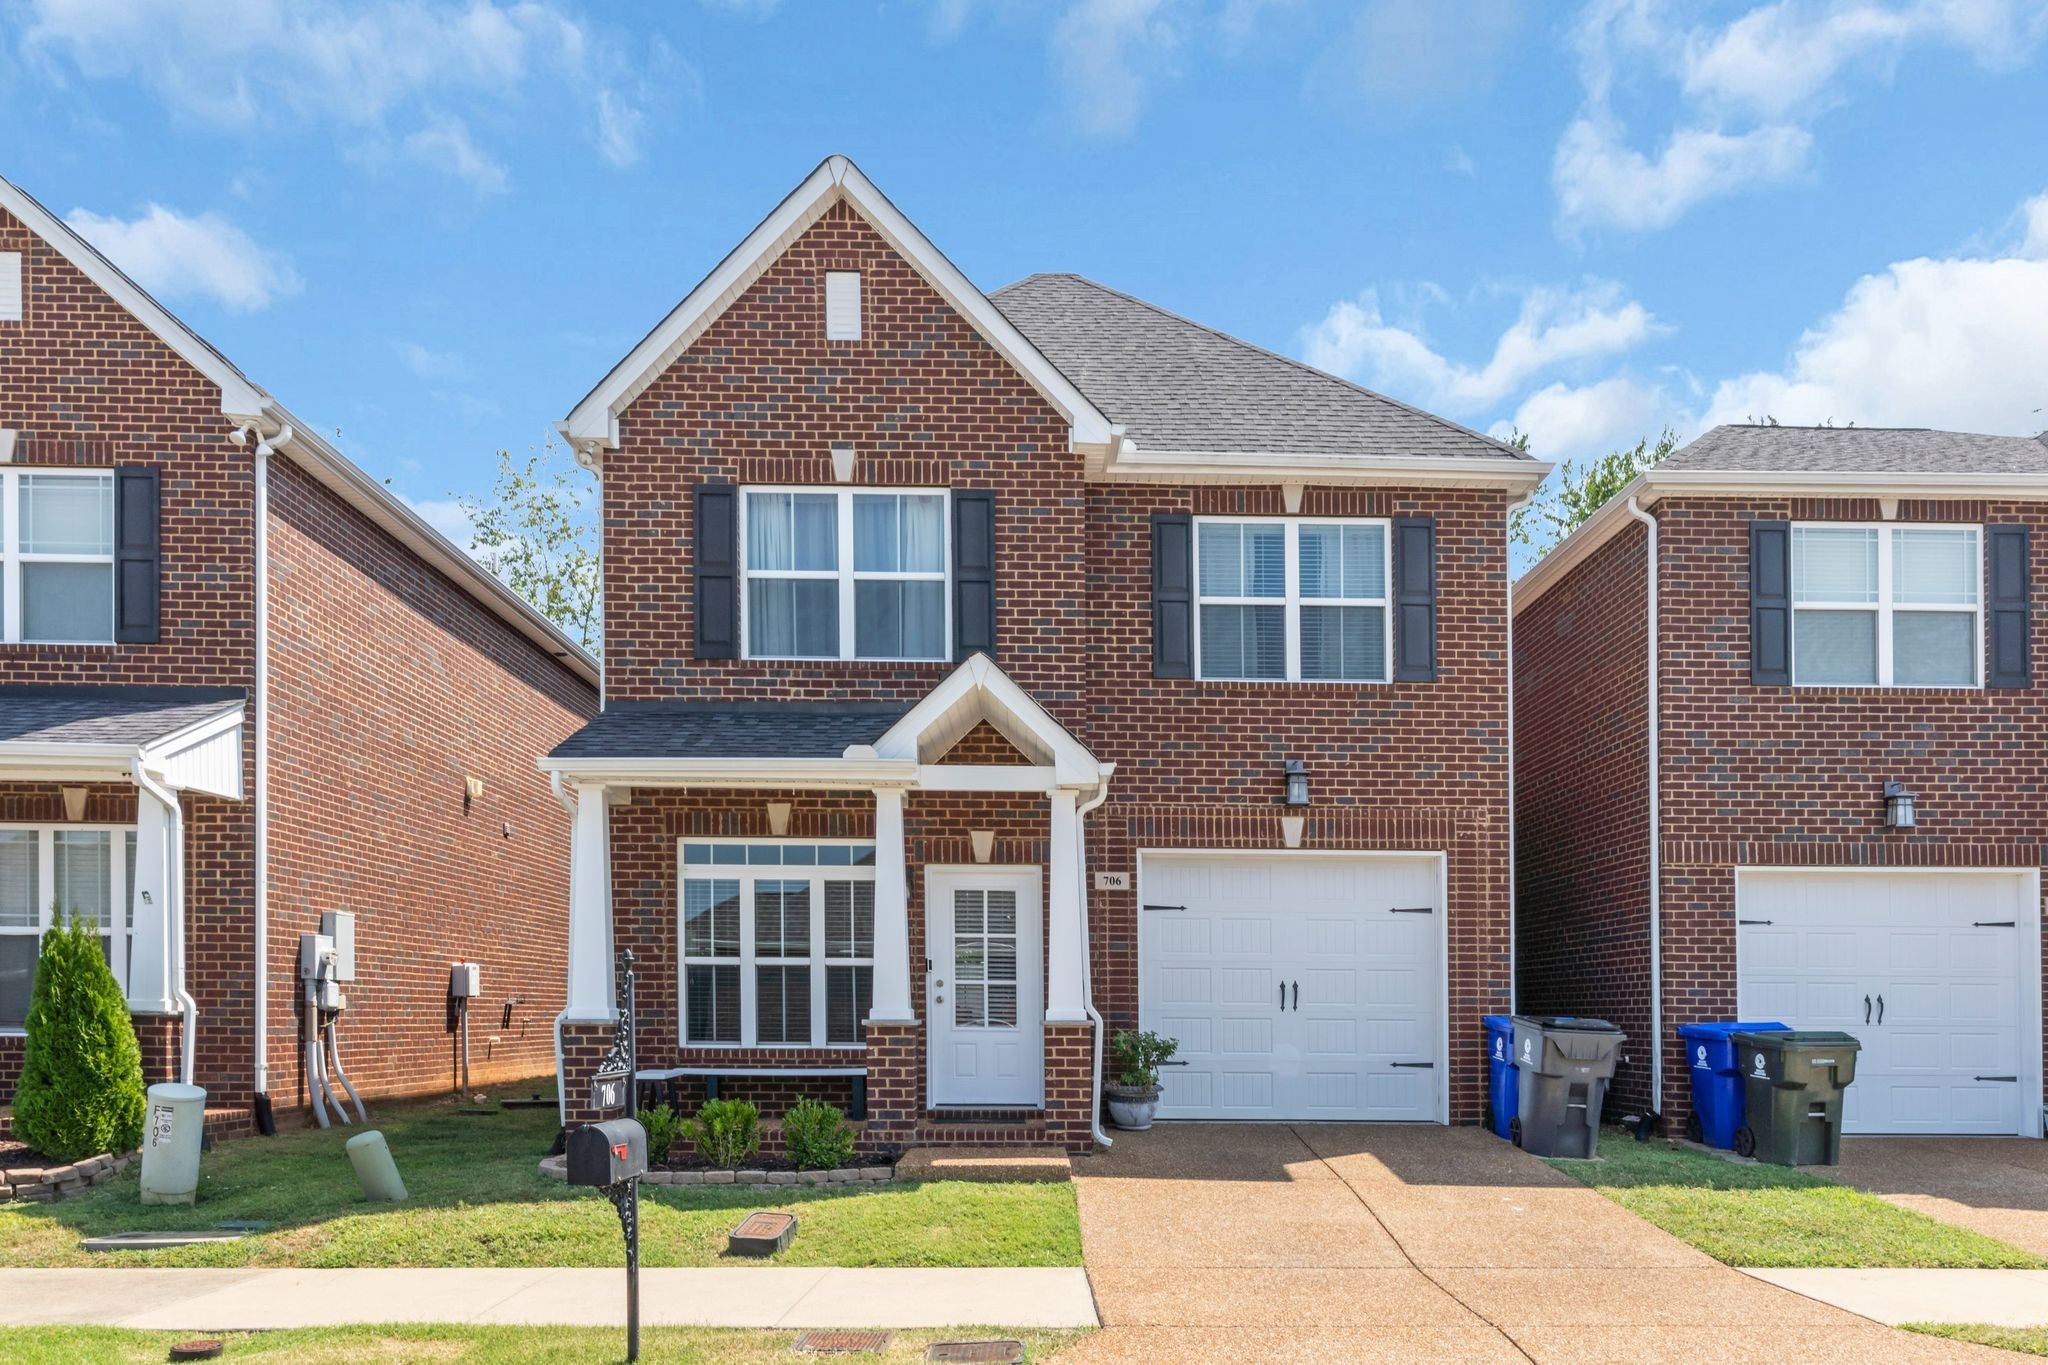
(1899, 810)
(1297, 782)
(74, 803)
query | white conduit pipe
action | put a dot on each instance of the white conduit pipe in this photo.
(187, 1006)
(334, 1046)
(1088, 954)
(1653, 719)
(316, 1081)
(568, 804)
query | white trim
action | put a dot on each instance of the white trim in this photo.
(176, 758)
(1442, 860)
(850, 773)
(1885, 606)
(596, 418)
(1128, 463)
(1013, 711)
(1291, 600)
(2028, 929)
(846, 574)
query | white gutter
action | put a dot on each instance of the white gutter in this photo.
(1653, 719)
(260, 1024)
(848, 773)
(562, 1091)
(1131, 461)
(1088, 953)
(187, 1006)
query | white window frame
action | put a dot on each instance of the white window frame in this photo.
(1292, 601)
(122, 908)
(747, 874)
(1884, 607)
(846, 574)
(12, 556)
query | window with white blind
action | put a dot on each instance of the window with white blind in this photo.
(1887, 606)
(68, 871)
(840, 574)
(56, 557)
(778, 943)
(1293, 600)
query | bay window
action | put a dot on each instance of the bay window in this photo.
(1887, 606)
(1293, 600)
(56, 557)
(845, 574)
(67, 872)
(778, 943)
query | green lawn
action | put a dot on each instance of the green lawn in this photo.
(2031, 1341)
(514, 1345)
(477, 1200)
(1758, 1215)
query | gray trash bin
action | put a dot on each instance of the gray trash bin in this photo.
(1564, 1066)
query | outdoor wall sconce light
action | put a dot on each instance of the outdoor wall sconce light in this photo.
(74, 803)
(1297, 782)
(1899, 812)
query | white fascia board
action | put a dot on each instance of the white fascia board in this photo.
(49, 760)
(734, 772)
(595, 419)
(1134, 464)
(987, 777)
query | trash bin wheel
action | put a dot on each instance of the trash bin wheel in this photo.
(1745, 1141)
(1695, 1131)
(1515, 1131)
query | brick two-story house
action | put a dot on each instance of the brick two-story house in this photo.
(1781, 754)
(958, 651)
(242, 685)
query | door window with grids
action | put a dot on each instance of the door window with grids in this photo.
(57, 557)
(79, 872)
(778, 943)
(984, 958)
(1887, 606)
(1292, 600)
(838, 574)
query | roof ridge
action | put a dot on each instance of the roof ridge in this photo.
(1257, 349)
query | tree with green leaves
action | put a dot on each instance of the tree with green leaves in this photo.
(536, 533)
(80, 1092)
(1576, 491)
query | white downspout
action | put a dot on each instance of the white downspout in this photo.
(1514, 960)
(561, 1089)
(265, 447)
(187, 1006)
(1654, 721)
(1088, 952)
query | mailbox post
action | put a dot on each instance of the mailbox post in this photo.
(611, 1156)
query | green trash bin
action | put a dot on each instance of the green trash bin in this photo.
(1792, 1084)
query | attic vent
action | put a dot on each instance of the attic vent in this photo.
(10, 286)
(842, 305)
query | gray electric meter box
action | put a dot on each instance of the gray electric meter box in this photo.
(340, 925)
(316, 955)
(607, 1153)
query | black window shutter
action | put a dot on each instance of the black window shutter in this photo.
(1414, 599)
(1173, 595)
(714, 570)
(974, 572)
(2005, 550)
(138, 555)
(1770, 603)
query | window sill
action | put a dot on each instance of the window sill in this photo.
(689, 1046)
(59, 644)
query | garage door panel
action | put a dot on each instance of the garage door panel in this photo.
(1248, 1092)
(1246, 985)
(1246, 937)
(1186, 985)
(1326, 937)
(1182, 934)
(1245, 1035)
(1196, 1032)
(1330, 1091)
(1330, 1037)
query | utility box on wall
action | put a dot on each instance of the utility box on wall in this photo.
(340, 925)
(465, 980)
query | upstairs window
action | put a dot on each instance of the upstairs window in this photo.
(1292, 600)
(842, 305)
(57, 556)
(839, 574)
(1887, 606)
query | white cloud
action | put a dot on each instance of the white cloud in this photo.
(436, 367)
(1104, 52)
(445, 145)
(1458, 161)
(618, 127)
(447, 517)
(1403, 54)
(1599, 180)
(1554, 327)
(179, 257)
(1565, 423)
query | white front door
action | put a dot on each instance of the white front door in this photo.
(1930, 971)
(1299, 985)
(984, 992)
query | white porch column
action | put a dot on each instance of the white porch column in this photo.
(1065, 1001)
(591, 997)
(149, 970)
(892, 914)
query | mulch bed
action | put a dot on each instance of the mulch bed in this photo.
(14, 1154)
(762, 1161)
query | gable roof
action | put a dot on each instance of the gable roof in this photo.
(244, 400)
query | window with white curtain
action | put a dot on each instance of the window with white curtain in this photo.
(57, 556)
(846, 574)
(1293, 600)
(1887, 606)
(78, 872)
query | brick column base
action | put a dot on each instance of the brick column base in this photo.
(584, 1048)
(895, 1061)
(157, 1034)
(1069, 1086)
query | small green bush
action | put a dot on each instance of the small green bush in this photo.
(726, 1132)
(664, 1128)
(1136, 1057)
(817, 1136)
(80, 1092)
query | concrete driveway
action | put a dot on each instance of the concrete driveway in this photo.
(1234, 1242)
(1996, 1186)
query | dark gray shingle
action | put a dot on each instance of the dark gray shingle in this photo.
(84, 714)
(727, 730)
(1860, 450)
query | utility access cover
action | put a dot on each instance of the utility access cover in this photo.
(842, 1343)
(1002, 1352)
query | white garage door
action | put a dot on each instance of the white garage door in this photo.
(1929, 970)
(1300, 986)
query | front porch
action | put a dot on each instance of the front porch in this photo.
(844, 903)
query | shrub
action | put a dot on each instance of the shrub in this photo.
(664, 1127)
(80, 1092)
(726, 1132)
(817, 1136)
(1137, 1057)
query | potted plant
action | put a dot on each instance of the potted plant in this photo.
(1134, 1098)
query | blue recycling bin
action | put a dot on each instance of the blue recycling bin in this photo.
(1717, 1103)
(1501, 1076)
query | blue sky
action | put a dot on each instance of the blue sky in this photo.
(433, 226)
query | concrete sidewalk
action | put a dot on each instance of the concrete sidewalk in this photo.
(2003, 1298)
(758, 1296)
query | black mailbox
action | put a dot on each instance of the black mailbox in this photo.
(607, 1153)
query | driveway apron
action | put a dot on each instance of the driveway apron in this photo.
(1993, 1185)
(1363, 1242)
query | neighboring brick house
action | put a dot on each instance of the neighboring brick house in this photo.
(957, 651)
(1718, 678)
(242, 685)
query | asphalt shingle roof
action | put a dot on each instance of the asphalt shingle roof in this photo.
(86, 714)
(724, 730)
(1177, 385)
(1860, 450)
